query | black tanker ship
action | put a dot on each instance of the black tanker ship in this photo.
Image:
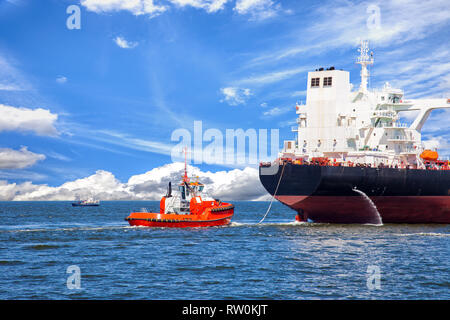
(324, 193)
(354, 161)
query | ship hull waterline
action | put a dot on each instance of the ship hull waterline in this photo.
(331, 194)
(163, 223)
(171, 220)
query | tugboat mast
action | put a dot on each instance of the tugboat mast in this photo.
(185, 177)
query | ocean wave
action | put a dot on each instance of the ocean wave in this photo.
(10, 262)
(430, 234)
(268, 224)
(45, 246)
(84, 228)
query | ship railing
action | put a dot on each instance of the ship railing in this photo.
(400, 139)
(392, 125)
(327, 162)
(383, 114)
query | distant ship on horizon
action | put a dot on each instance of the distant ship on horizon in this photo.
(90, 202)
(353, 161)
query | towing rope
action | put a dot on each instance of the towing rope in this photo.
(273, 197)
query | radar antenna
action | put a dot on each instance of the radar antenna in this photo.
(364, 59)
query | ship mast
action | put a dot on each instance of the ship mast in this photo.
(185, 177)
(364, 59)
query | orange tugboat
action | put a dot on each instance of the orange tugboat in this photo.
(190, 207)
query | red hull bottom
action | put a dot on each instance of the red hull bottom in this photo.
(179, 224)
(357, 209)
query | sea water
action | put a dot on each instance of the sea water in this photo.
(42, 243)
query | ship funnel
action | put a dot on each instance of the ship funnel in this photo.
(169, 190)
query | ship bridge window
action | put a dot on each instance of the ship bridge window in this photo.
(288, 145)
(182, 189)
(315, 82)
(327, 81)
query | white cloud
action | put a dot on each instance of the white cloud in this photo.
(227, 185)
(123, 43)
(141, 7)
(61, 79)
(137, 7)
(8, 191)
(209, 5)
(235, 96)
(9, 87)
(257, 9)
(41, 121)
(18, 159)
(275, 111)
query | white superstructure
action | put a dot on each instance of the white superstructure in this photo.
(361, 126)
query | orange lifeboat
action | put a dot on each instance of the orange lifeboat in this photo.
(190, 207)
(429, 155)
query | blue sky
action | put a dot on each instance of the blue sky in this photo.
(112, 92)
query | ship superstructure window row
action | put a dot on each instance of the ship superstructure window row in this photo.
(315, 82)
(327, 82)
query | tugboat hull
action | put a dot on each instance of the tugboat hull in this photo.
(219, 217)
(327, 193)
